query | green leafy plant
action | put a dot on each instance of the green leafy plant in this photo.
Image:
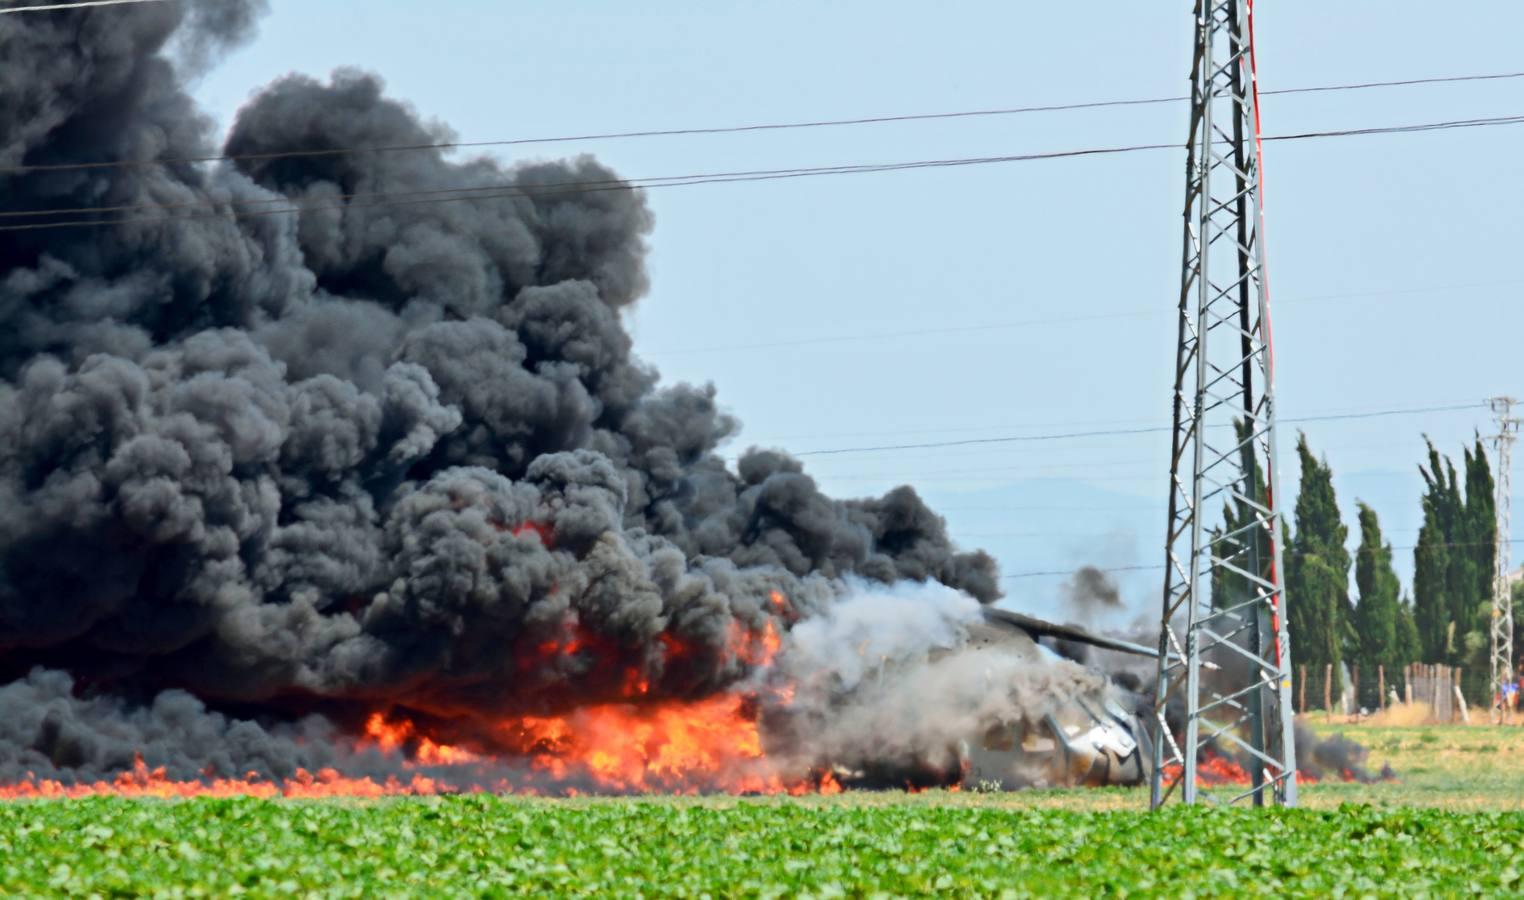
(479, 845)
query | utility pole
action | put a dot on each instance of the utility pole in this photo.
(1224, 678)
(1502, 590)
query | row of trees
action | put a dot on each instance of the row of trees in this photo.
(1445, 620)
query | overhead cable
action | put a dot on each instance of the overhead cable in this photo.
(501, 191)
(728, 129)
(6, 10)
(1155, 568)
(1065, 435)
(508, 190)
(1059, 320)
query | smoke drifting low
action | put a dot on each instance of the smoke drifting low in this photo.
(887, 674)
(263, 472)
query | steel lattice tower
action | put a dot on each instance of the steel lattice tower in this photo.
(1224, 661)
(1502, 590)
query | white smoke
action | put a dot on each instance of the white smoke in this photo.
(873, 623)
(885, 679)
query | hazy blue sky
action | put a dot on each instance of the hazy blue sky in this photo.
(1393, 259)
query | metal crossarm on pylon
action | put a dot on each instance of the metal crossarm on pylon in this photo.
(1502, 587)
(1224, 680)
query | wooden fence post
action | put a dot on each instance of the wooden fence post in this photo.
(1407, 684)
(1328, 690)
(1381, 686)
(1301, 693)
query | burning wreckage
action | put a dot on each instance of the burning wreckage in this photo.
(901, 688)
(334, 472)
(1094, 739)
(307, 489)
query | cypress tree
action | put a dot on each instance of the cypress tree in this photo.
(1481, 519)
(1433, 611)
(1408, 649)
(1317, 573)
(1377, 615)
(1459, 577)
(1479, 550)
(1430, 618)
(1453, 563)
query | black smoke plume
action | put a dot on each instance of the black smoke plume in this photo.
(1335, 757)
(257, 465)
(1091, 598)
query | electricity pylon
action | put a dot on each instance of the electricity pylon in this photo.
(1502, 589)
(1224, 662)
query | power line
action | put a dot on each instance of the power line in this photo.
(1289, 552)
(1072, 571)
(920, 332)
(712, 130)
(83, 3)
(962, 536)
(1062, 320)
(1117, 424)
(1442, 79)
(997, 477)
(502, 191)
(965, 428)
(1381, 413)
(1148, 473)
(1055, 508)
(994, 480)
(966, 535)
(1401, 129)
(1012, 439)
(940, 455)
(776, 439)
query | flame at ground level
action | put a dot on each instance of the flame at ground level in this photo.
(1216, 769)
(712, 745)
(142, 781)
(707, 745)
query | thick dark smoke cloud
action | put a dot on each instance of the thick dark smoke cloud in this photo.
(373, 453)
(49, 731)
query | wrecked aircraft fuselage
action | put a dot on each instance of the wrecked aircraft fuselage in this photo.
(1091, 740)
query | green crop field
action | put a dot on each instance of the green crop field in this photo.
(1452, 825)
(1452, 767)
(479, 845)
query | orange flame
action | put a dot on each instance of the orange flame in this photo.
(142, 781)
(829, 784)
(389, 737)
(1217, 769)
(679, 747)
(754, 648)
(636, 745)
